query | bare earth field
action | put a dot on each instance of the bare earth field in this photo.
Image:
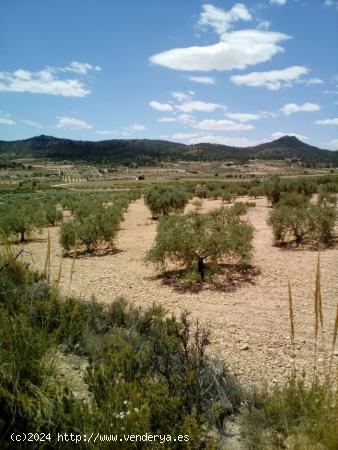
(249, 322)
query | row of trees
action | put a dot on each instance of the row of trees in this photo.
(95, 221)
(23, 217)
(95, 216)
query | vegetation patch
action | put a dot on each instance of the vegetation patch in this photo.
(193, 239)
(295, 221)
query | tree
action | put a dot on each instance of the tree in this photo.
(22, 218)
(98, 228)
(302, 224)
(192, 239)
(293, 200)
(201, 191)
(256, 191)
(53, 214)
(227, 196)
(273, 189)
(327, 194)
(163, 200)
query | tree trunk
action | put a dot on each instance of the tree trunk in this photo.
(22, 238)
(200, 266)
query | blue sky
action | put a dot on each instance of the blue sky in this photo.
(237, 73)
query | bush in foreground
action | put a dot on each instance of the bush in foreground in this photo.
(148, 371)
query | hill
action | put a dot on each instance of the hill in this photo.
(142, 151)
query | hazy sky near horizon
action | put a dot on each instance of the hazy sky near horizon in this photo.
(237, 73)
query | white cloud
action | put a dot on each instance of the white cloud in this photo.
(220, 20)
(245, 117)
(45, 81)
(264, 25)
(315, 81)
(221, 125)
(133, 129)
(184, 136)
(236, 50)
(278, 2)
(203, 80)
(167, 119)
(280, 134)
(186, 119)
(234, 142)
(272, 80)
(327, 121)
(6, 121)
(333, 144)
(78, 67)
(199, 106)
(104, 132)
(331, 92)
(137, 127)
(72, 123)
(31, 123)
(164, 107)
(181, 118)
(182, 96)
(331, 3)
(291, 108)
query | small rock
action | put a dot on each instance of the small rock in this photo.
(244, 347)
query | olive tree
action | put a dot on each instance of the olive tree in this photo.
(327, 194)
(312, 224)
(192, 239)
(163, 200)
(227, 196)
(53, 214)
(92, 231)
(22, 218)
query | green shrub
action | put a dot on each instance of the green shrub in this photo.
(21, 218)
(303, 224)
(227, 196)
(193, 238)
(148, 371)
(53, 214)
(294, 200)
(92, 231)
(201, 191)
(293, 416)
(256, 191)
(163, 200)
(327, 194)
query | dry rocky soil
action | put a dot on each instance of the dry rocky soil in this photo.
(248, 319)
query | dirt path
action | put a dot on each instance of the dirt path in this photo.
(249, 325)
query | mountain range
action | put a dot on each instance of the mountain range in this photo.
(143, 151)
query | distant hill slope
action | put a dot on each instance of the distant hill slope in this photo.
(143, 150)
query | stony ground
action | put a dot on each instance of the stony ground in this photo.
(248, 321)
